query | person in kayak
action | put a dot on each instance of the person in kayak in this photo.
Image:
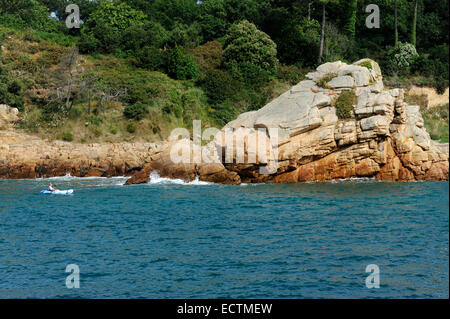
(51, 189)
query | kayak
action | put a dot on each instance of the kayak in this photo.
(67, 192)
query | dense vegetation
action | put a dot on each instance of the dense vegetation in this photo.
(137, 68)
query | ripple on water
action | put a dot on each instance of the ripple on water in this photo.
(170, 239)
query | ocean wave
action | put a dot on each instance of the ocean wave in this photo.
(69, 177)
(156, 179)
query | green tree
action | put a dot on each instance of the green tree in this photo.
(414, 24)
(117, 16)
(246, 44)
(350, 24)
(181, 66)
(396, 22)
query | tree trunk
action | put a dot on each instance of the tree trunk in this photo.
(396, 22)
(309, 10)
(322, 36)
(414, 26)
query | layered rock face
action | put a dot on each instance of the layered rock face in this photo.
(24, 156)
(382, 137)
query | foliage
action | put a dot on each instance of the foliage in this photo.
(402, 56)
(290, 73)
(67, 136)
(152, 58)
(245, 44)
(218, 85)
(437, 122)
(299, 41)
(367, 65)
(131, 127)
(181, 66)
(208, 56)
(136, 111)
(323, 82)
(344, 104)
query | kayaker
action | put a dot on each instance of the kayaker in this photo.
(51, 189)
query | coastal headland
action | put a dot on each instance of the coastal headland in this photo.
(340, 122)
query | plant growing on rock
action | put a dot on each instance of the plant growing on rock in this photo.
(366, 64)
(323, 82)
(344, 104)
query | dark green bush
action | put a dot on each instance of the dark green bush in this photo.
(131, 128)
(67, 136)
(96, 120)
(136, 111)
(251, 75)
(152, 58)
(218, 85)
(224, 112)
(181, 66)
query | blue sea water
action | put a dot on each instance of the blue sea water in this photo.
(168, 239)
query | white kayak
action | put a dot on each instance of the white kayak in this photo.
(66, 192)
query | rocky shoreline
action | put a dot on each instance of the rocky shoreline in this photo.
(383, 138)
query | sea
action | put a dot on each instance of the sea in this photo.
(357, 238)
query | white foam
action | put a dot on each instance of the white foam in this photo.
(69, 177)
(156, 179)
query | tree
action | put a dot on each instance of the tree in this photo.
(246, 44)
(350, 24)
(181, 66)
(322, 34)
(396, 22)
(414, 25)
(117, 16)
(299, 41)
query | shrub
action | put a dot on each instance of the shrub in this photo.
(208, 56)
(136, 111)
(436, 122)
(223, 112)
(181, 66)
(344, 104)
(218, 86)
(67, 136)
(96, 120)
(290, 74)
(251, 75)
(131, 128)
(113, 130)
(151, 58)
(402, 56)
(366, 64)
(75, 113)
(323, 82)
